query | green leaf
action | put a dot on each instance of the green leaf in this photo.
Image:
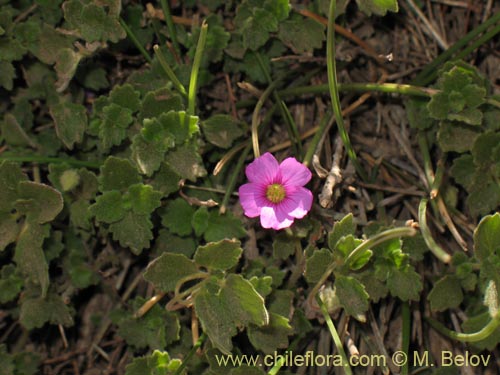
(404, 283)
(67, 61)
(375, 288)
(92, 21)
(243, 301)
(455, 136)
(463, 170)
(272, 336)
(263, 285)
(379, 7)
(7, 76)
(223, 226)
(13, 132)
(27, 363)
(125, 96)
(155, 103)
(165, 271)
(115, 121)
(487, 237)
(484, 196)
(155, 330)
(222, 130)
(6, 361)
(180, 125)
(11, 283)
(9, 229)
(77, 264)
(281, 302)
(149, 147)
(143, 199)
(317, 264)
(199, 221)
(10, 177)
(70, 120)
(35, 312)
(475, 324)
(284, 246)
(446, 294)
(108, 207)
(186, 162)
(352, 296)
(302, 35)
(255, 23)
(221, 255)
(133, 231)
(40, 203)
(177, 216)
(166, 180)
(96, 79)
(341, 228)
(117, 174)
(29, 255)
(158, 363)
(483, 150)
(215, 318)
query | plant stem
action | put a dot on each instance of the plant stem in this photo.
(482, 334)
(170, 25)
(334, 93)
(442, 255)
(386, 235)
(170, 73)
(405, 345)
(134, 40)
(323, 126)
(193, 350)
(335, 335)
(255, 117)
(195, 70)
(55, 160)
(293, 132)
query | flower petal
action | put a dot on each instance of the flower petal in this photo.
(297, 203)
(252, 198)
(271, 217)
(264, 169)
(294, 173)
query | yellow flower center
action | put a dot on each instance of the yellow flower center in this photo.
(275, 193)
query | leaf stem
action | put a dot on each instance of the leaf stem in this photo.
(335, 335)
(170, 25)
(378, 239)
(293, 132)
(334, 92)
(406, 333)
(191, 352)
(482, 334)
(323, 126)
(442, 255)
(55, 160)
(136, 42)
(193, 81)
(170, 73)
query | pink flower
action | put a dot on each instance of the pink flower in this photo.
(275, 191)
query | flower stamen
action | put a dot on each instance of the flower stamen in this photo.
(275, 193)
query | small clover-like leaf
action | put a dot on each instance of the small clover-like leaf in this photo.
(341, 228)
(117, 174)
(223, 226)
(177, 217)
(11, 283)
(222, 130)
(70, 120)
(243, 301)
(378, 7)
(352, 296)
(116, 119)
(284, 246)
(186, 162)
(273, 336)
(455, 136)
(487, 237)
(446, 294)
(404, 283)
(302, 35)
(40, 203)
(108, 207)
(317, 264)
(165, 271)
(10, 177)
(219, 255)
(125, 96)
(35, 312)
(143, 198)
(156, 363)
(133, 231)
